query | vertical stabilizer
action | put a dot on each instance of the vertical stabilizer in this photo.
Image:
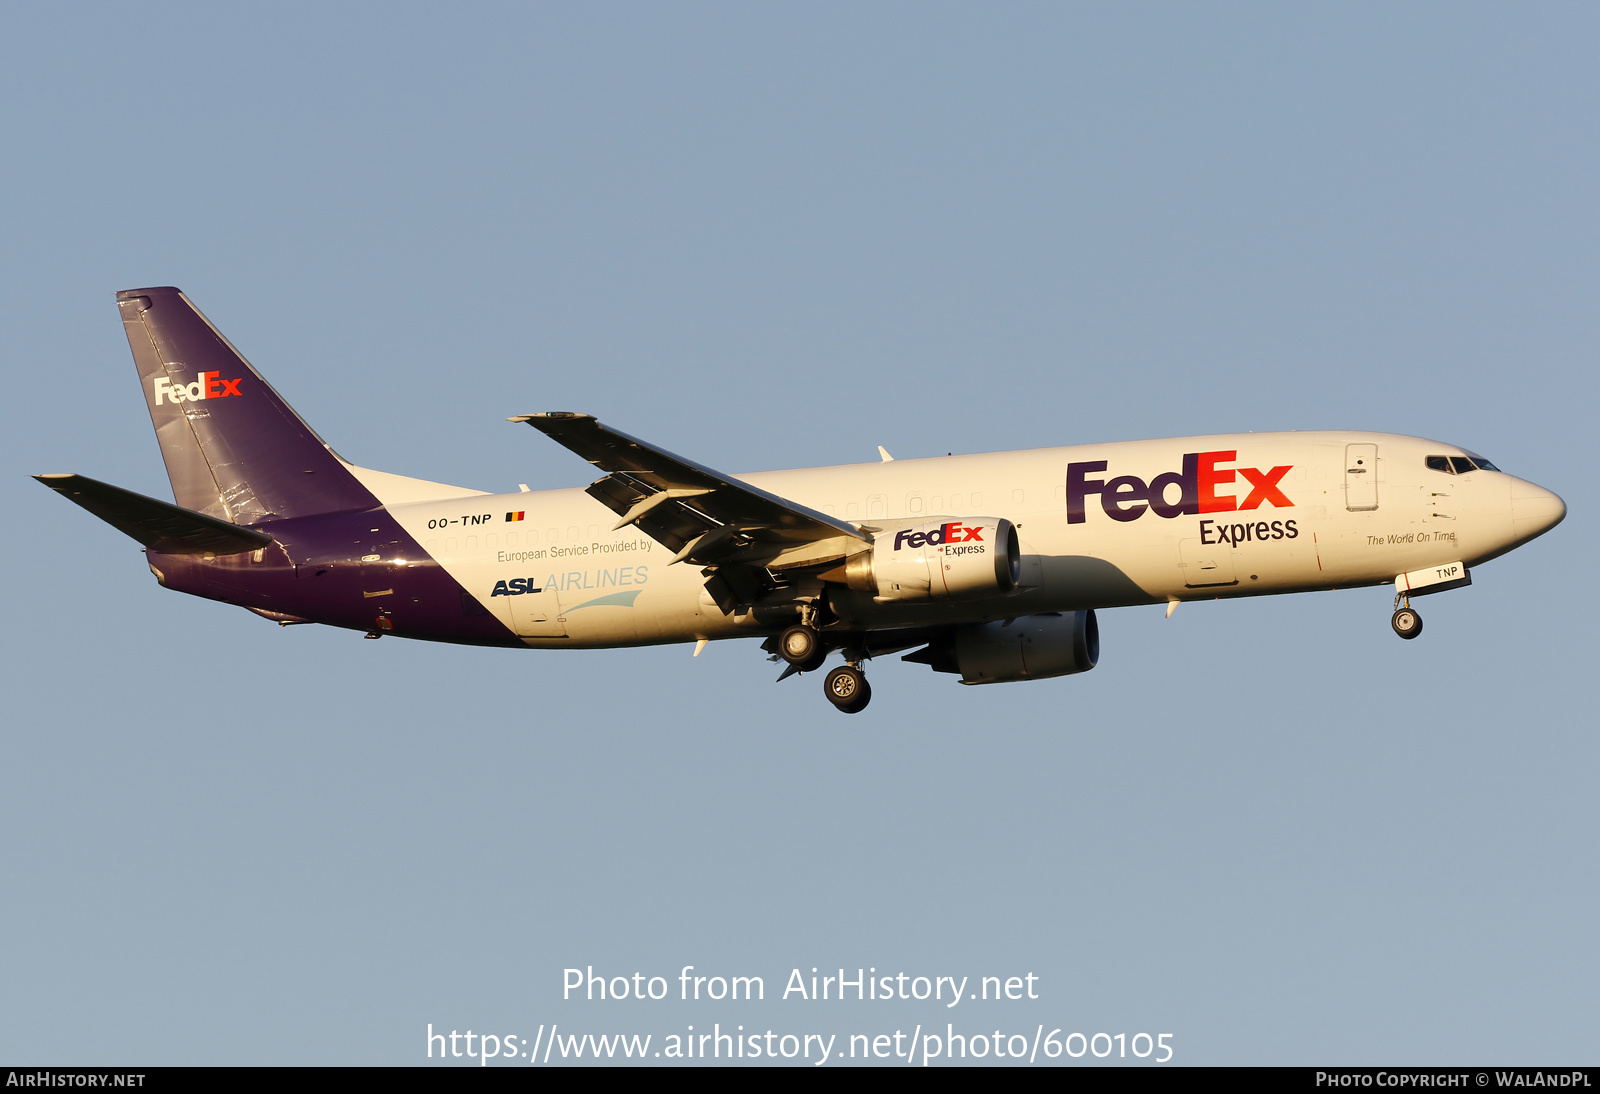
(234, 449)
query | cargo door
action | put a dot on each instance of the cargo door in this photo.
(1206, 564)
(378, 583)
(536, 613)
(1360, 477)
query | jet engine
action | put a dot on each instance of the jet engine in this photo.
(1034, 647)
(937, 560)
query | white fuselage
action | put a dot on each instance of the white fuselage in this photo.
(1275, 513)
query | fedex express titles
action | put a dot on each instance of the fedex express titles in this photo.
(1128, 497)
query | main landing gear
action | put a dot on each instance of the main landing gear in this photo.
(802, 647)
(1405, 621)
(846, 688)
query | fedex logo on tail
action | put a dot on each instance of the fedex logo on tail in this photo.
(1126, 497)
(208, 385)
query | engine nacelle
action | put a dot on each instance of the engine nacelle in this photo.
(939, 559)
(1034, 647)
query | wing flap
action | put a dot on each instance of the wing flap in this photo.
(753, 545)
(159, 525)
(698, 500)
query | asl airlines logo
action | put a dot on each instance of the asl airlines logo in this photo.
(517, 586)
(210, 385)
(1126, 497)
(953, 532)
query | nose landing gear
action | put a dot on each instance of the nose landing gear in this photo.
(1405, 621)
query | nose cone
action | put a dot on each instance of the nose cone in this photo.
(1534, 510)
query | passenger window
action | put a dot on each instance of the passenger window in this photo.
(1461, 465)
(1440, 463)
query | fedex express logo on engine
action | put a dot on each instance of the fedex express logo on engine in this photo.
(209, 385)
(1126, 497)
(952, 532)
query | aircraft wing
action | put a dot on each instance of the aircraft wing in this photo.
(741, 532)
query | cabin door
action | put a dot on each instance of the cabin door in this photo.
(1360, 477)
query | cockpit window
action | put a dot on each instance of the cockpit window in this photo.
(1459, 465)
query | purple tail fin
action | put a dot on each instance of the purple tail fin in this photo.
(234, 449)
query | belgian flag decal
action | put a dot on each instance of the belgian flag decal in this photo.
(515, 516)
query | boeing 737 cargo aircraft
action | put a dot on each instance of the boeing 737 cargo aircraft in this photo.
(990, 567)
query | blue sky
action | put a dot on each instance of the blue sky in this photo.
(780, 236)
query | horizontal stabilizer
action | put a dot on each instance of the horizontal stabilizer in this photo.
(158, 525)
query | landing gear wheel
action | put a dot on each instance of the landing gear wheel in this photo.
(802, 647)
(1406, 623)
(847, 689)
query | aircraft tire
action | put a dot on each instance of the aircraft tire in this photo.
(1406, 623)
(802, 647)
(847, 689)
